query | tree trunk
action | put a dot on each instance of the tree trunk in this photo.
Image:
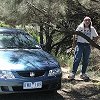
(41, 35)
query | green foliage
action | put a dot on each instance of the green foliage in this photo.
(65, 60)
(33, 33)
(2, 24)
(35, 36)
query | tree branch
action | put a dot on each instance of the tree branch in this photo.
(41, 11)
(77, 33)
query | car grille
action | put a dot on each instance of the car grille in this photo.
(27, 73)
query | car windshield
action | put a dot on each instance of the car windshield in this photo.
(10, 40)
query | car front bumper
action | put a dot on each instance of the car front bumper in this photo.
(16, 85)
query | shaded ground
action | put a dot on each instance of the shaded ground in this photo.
(32, 96)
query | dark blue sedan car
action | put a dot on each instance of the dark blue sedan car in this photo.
(24, 66)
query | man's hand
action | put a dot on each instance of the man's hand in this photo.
(95, 39)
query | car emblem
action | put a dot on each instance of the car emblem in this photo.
(32, 74)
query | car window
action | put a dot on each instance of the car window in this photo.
(17, 40)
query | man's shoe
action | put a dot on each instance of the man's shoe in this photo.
(84, 77)
(71, 76)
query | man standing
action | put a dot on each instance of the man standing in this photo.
(82, 48)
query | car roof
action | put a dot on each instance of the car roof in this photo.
(13, 30)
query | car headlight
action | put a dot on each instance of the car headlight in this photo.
(54, 72)
(6, 74)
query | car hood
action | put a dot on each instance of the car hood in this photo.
(25, 59)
